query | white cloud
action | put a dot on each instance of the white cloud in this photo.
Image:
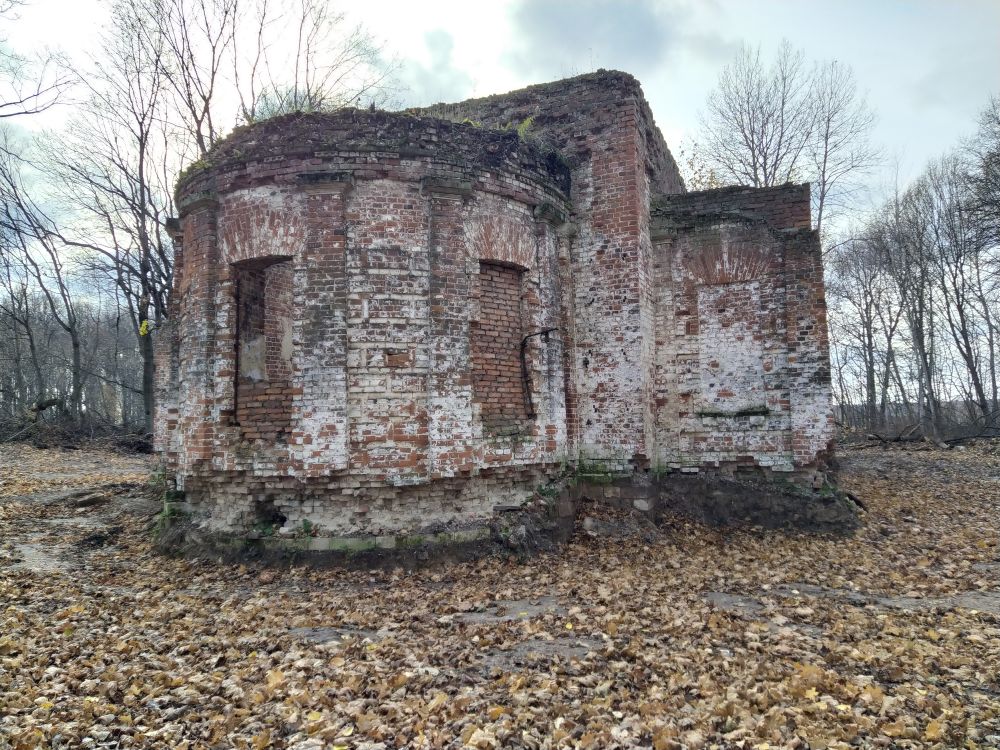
(437, 80)
(928, 66)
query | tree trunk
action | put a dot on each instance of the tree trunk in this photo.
(146, 347)
(76, 395)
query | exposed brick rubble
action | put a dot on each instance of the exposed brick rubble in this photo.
(384, 323)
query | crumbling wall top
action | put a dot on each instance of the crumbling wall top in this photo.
(318, 135)
(566, 114)
(782, 207)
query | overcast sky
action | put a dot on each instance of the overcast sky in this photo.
(928, 66)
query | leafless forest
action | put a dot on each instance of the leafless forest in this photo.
(85, 262)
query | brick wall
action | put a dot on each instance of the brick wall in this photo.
(352, 274)
(352, 290)
(738, 279)
(388, 311)
(603, 128)
(496, 345)
(731, 349)
(250, 303)
(279, 313)
(781, 207)
(571, 116)
(264, 312)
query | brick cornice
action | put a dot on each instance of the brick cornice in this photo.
(197, 202)
(326, 182)
(445, 186)
(550, 213)
(173, 227)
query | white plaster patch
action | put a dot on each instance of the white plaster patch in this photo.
(253, 358)
(731, 348)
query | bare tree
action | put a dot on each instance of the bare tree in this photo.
(934, 254)
(111, 166)
(42, 359)
(19, 338)
(984, 172)
(788, 121)
(840, 149)
(899, 236)
(760, 119)
(81, 297)
(199, 41)
(231, 60)
(867, 316)
(32, 234)
(28, 85)
(944, 192)
(333, 65)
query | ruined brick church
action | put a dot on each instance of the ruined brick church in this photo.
(394, 324)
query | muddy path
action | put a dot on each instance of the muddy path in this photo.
(58, 506)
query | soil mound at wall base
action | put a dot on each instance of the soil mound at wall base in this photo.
(720, 501)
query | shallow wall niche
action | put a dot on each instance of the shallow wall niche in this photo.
(497, 376)
(264, 315)
(731, 349)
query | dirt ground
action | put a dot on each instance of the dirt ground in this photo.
(689, 637)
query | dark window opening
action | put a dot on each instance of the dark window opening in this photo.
(264, 315)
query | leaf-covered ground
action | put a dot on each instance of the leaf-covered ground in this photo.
(688, 638)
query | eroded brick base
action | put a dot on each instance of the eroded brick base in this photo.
(232, 502)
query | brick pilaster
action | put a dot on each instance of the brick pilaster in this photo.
(449, 383)
(318, 441)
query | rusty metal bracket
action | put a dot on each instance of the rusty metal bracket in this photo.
(525, 377)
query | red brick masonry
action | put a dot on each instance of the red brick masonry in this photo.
(498, 386)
